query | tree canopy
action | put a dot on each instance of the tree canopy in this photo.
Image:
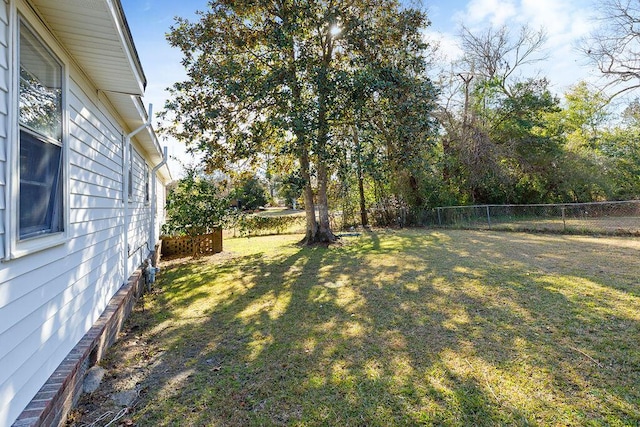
(336, 103)
(284, 77)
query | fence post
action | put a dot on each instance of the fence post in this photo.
(564, 222)
(488, 217)
(439, 219)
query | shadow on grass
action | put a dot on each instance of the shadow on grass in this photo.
(414, 327)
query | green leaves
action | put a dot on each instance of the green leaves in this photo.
(283, 78)
(195, 206)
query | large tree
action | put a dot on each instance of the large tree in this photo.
(269, 76)
(493, 146)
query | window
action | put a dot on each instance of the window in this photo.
(40, 120)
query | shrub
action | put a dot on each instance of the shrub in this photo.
(255, 224)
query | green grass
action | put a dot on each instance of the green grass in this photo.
(413, 327)
(605, 225)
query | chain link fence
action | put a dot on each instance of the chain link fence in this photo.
(614, 218)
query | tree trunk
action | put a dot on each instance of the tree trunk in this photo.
(311, 232)
(363, 207)
(309, 207)
(324, 232)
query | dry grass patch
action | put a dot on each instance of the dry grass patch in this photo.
(413, 327)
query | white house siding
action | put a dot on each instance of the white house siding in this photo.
(139, 213)
(49, 299)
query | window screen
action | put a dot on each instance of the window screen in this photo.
(40, 117)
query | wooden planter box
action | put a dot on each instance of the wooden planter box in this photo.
(205, 244)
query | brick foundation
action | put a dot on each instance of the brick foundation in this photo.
(61, 392)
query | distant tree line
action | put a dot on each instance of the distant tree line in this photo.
(340, 106)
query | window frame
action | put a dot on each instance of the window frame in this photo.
(15, 245)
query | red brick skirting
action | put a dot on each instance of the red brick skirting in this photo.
(62, 390)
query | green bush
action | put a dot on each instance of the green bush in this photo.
(195, 206)
(250, 193)
(255, 224)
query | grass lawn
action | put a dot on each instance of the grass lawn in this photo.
(410, 327)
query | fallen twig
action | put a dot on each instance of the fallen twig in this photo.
(97, 420)
(119, 415)
(587, 356)
(486, 379)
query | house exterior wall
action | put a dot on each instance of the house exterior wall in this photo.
(139, 211)
(51, 297)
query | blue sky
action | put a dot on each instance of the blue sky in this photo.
(565, 21)
(149, 21)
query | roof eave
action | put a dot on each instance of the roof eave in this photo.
(127, 39)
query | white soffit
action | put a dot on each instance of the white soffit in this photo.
(96, 34)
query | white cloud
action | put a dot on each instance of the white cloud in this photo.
(448, 47)
(564, 21)
(552, 15)
(495, 12)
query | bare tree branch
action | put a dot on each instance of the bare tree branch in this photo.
(495, 54)
(615, 46)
